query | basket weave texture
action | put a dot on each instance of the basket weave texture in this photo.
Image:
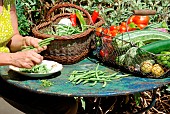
(67, 49)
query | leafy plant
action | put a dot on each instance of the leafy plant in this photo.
(24, 24)
(113, 11)
(30, 13)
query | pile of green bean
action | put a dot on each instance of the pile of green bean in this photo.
(93, 77)
(64, 30)
(41, 68)
(46, 83)
(44, 42)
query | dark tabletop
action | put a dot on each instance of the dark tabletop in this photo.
(62, 87)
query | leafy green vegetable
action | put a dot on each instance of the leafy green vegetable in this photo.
(130, 56)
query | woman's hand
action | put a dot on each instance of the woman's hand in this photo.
(25, 59)
(31, 41)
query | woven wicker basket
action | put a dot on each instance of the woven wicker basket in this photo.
(67, 49)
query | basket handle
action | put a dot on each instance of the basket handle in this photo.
(57, 6)
(144, 12)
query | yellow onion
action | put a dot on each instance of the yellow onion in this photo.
(146, 66)
(157, 70)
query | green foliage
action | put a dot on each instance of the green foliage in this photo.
(32, 12)
(24, 24)
(137, 98)
(119, 10)
(29, 13)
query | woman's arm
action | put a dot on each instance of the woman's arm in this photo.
(5, 59)
(17, 40)
(25, 59)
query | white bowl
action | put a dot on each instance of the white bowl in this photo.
(54, 66)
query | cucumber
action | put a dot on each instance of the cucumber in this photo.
(157, 47)
(146, 36)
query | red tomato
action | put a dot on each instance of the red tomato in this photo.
(108, 35)
(131, 19)
(113, 33)
(99, 31)
(112, 27)
(123, 24)
(141, 26)
(117, 28)
(141, 20)
(102, 53)
(122, 29)
(105, 31)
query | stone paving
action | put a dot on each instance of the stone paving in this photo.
(6, 108)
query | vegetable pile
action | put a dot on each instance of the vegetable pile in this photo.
(63, 30)
(93, 77)
(135, 22)
(46, 83)
(75, 24)
(41, 68)
(134, 44)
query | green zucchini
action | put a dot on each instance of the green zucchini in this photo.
(157, 47)
(145, 36)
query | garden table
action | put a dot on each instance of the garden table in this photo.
(62, 87)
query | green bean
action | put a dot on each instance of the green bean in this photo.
(85, 74)
(95, 82)
(79, 81)
(47, 40)
(45, 44)
(93, 77)
(104, 85)
(85, 77)
(63, 30)
(85, 81)
(42, 68)
(77, 78)
(96, 71)
(42, 43)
